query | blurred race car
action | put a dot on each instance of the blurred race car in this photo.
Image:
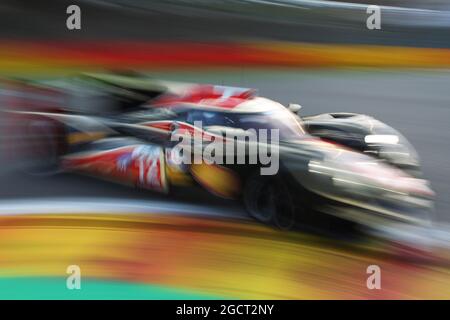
(129, 129)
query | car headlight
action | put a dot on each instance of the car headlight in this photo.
(381, 139)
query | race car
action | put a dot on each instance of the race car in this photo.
(159, 135)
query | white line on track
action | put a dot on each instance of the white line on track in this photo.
(83, 205)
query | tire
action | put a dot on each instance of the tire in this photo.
(269, 200)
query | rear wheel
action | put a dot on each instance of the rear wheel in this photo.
(269, 200)
(40, 148)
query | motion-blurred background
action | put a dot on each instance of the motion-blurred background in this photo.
(319, 54)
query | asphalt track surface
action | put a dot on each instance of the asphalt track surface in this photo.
(414, 102)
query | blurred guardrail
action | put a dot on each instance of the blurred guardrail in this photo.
(294, 11)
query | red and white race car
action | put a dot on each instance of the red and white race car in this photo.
(159, 135)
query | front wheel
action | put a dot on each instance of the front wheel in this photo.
(269, 200)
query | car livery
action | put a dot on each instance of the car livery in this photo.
(326, 173)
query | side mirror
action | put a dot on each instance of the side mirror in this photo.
(295, 108)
